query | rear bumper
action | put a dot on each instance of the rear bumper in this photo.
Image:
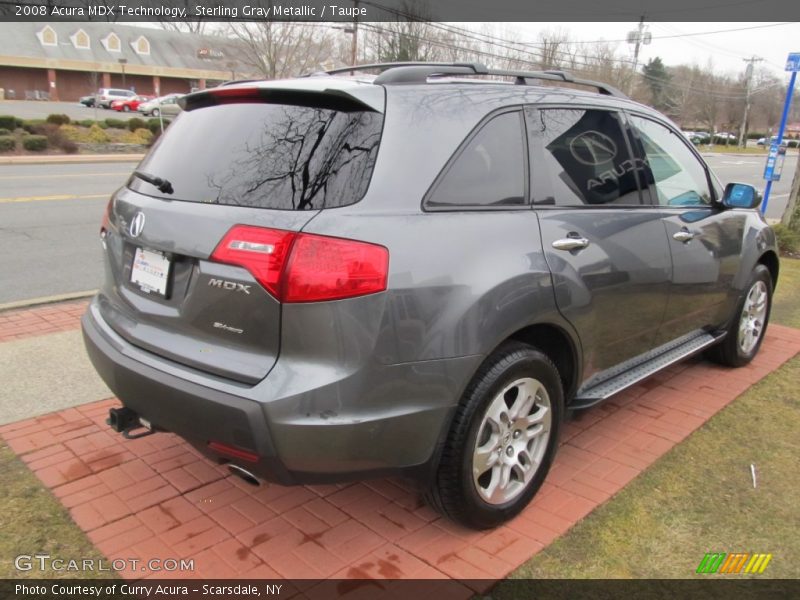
(386, 419)
(195, 412)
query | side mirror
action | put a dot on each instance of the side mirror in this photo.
(741, 195)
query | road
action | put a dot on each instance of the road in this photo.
(31, 109)
(49, 222)
(50, 217)
(750, 169)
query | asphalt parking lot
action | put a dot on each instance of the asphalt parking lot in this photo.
(31, 109)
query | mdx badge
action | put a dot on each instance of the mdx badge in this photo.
(232, 286)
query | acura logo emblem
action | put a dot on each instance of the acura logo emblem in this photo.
(137, 225)
(593, 148)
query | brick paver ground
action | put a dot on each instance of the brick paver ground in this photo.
(28, 322)
(158, 498)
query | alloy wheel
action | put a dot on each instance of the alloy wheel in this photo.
(512, 440)
(753, 318)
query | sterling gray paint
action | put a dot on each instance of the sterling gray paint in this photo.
(331, 391)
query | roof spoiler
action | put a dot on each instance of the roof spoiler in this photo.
(367, 98)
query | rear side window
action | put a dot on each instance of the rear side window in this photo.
(580, 157)
(490, 169)
(266, 156)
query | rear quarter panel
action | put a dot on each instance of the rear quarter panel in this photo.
(758, 238)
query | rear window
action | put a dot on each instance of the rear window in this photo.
(272, 156)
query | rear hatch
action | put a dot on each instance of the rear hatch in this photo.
(237, 160)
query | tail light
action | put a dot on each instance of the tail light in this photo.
(303, 267)
(261, 251)
(106, 222)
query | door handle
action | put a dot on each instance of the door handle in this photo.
(571, 243)
(684, 235)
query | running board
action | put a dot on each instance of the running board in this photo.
(636, 370)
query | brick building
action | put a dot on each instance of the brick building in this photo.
(64, 61)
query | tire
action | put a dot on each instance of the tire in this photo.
(126, 108)
(737, 350)
(155, 112)
(485, 419)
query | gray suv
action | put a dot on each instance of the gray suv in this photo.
(417, 273)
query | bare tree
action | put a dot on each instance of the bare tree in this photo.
(274, 50)
(555, 49)
(186, 26)
(410, 38)
(768, 95)
(197, 27)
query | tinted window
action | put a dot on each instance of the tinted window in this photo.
(672, 172)
(580, 157)
(266, 156)
(489, 170)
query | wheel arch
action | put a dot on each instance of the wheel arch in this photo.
(770, 260)
(559, 346)
(551, 339)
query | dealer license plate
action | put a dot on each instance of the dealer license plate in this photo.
(150, 271)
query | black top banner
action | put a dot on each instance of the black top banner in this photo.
(398, 10)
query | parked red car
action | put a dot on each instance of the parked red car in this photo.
(130, 104)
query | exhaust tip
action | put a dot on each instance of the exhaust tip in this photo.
(244, 475)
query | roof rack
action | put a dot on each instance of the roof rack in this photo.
(551, 75)
(418, 72)
(435, 67)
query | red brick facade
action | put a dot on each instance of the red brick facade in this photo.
(71, 85)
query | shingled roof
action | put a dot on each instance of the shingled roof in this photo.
(166, 48)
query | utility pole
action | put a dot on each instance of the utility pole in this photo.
(748, 74)
(638, 37)
(354, 46)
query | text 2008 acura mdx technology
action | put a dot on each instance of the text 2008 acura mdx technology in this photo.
(419, 273)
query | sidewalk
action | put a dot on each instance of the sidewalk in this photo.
(55, 159)
(158, 498)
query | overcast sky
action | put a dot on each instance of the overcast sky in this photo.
(726, 50)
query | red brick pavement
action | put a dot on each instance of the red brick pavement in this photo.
(51, 318)
(158, 498)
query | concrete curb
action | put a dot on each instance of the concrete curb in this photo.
(47, 300)
(69, 159)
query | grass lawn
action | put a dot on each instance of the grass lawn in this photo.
(734, 149)
(786, 304)
(33, 521)
(699, 497)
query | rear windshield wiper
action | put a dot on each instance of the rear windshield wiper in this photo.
(163, 185)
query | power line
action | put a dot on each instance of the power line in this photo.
(674, 36)
(575, 64)
(708, 46)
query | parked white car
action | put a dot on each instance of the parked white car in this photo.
(105, 96)
(164, 105)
